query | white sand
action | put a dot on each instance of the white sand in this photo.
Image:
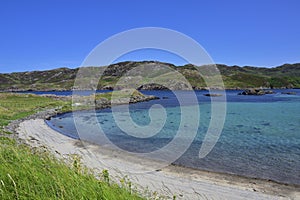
(183, 182)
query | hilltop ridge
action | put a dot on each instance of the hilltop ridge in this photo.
(234, 77)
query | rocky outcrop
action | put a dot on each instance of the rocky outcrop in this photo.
(91, 102)
(212, 95)
(132, 99)
(269, 92)
(256, 92)
(13, 125)
(105, 103)
(289, 93)
(252, 92)
(120, 97)
(57, 97)
(152, 86)
(107, 87)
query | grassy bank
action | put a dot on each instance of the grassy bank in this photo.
(27, 173)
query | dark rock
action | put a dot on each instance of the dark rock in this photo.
(48, 118)
(107, 87)
(266, 124)
(269, 92)
(253, 92)
(212, 95)
(152, 86)
(142, 98)
(289, 93)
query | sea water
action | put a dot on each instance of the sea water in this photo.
(260, 137)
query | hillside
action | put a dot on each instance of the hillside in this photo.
(284, 76)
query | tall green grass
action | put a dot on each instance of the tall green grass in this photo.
(27, 173)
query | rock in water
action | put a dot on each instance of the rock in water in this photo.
(212, 95)
(253, 92)
(289, 93)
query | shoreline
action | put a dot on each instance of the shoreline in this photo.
(185, 183)
(109, 90)
(173, 166)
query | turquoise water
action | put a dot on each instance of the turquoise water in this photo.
(260, 138)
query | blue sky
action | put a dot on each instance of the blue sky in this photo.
(47, 34)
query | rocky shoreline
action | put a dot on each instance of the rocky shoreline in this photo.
(99, 104)
(150, 87)
(103, 103)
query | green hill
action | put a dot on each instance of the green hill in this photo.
(284, 76)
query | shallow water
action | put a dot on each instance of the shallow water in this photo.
(260, 138)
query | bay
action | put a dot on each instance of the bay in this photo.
(260, 137)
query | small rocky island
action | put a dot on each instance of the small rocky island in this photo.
(289, 93)
(105, 100)
(256, 92)
(213, 95)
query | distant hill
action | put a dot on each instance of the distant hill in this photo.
(284, 76)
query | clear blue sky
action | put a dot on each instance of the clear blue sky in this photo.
(47, 34)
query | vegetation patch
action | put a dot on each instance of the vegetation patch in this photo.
(284, 76)
(29, 173)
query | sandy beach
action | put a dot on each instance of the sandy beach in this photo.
(182, 182)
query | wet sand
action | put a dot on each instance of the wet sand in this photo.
(184, 183)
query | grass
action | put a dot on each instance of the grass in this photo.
(245, 77)
(16, 106)
(27, 173)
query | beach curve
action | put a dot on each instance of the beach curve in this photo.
(182, 182)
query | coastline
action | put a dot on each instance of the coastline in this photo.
(183, 182)
(109, 90)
